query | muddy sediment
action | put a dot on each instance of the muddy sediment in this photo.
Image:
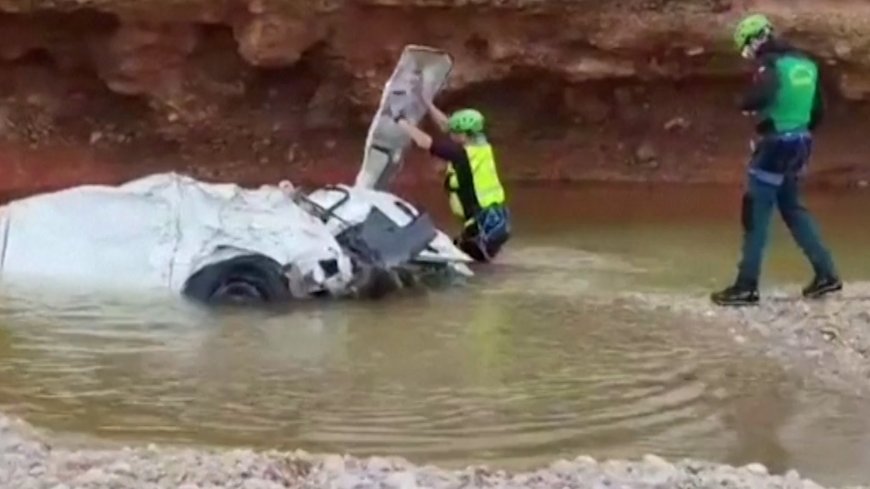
(100, 91)
(28, 461)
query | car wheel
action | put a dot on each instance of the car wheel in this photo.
(247, 279)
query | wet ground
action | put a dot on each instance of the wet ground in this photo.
(533, 362)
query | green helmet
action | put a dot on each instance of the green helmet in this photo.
(466, 121)
(749, 28)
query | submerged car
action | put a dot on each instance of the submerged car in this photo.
(218, 242)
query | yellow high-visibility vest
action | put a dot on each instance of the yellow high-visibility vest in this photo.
(487, 185)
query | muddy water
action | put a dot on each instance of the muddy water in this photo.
(533, 362)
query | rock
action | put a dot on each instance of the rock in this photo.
(378, 464)
(562, 467)
(92, 476)
(677, 123)
(586, 460)
(756, 468)
(401, 480)
(830, 334)
(656, 461)
(646, 154)
(842, 49)
(333, 463)
(261, 484)
(120, 467)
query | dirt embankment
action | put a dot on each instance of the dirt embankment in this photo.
(257, 90)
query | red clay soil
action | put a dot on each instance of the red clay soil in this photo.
(253, 91)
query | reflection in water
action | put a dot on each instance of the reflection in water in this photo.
(533, 366)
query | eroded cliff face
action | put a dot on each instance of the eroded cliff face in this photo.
(258, 90)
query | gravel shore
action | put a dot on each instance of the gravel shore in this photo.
(827, 339)
(28, 462)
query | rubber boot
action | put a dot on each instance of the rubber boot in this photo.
(821, 286)
(739, 294)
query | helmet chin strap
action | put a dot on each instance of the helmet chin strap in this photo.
(751, 49)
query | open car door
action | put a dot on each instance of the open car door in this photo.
(386, 143)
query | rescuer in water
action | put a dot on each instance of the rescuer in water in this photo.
(787, 99)
(475, 192)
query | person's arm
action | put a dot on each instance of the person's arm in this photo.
(420, 138)
(453, 152)
(818, 111)
(760, 95)
(763, 90)
(437, 116)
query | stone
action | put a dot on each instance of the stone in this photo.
(378, 464)
(586, 460)
(562, 466)
(401, 480)
(333, 463)
(656, 461)
(677, 123)
(645, 154)
(94, 475)
(756, 468)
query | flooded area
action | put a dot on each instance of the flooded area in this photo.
(532, 361)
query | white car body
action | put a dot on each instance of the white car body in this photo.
(158, 231)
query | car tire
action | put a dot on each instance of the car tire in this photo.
(246, 279)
